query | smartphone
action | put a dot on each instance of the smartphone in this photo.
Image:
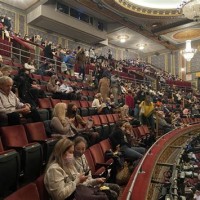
(87, 173)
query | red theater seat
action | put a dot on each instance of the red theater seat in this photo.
(36, 133)
(28, 192)
(98, 156)
(105, 145)
(41, 188)
(54, 102)
(14, 137)
(95, 172)
(45, 103)
(9, 170)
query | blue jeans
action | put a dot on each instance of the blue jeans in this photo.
(149, 121)
(133, 153)
(82, 71)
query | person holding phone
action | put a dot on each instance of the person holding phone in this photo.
(82, 167)
(61, 177)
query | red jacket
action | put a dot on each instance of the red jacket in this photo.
(129, 101)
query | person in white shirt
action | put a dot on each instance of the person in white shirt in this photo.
(97, 103)
(67, 91)
(11, 109)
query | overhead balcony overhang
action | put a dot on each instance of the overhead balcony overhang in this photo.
(46, 17)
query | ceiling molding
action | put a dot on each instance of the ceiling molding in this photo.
(140, 10)
(120, 19)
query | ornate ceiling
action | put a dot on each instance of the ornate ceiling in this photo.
(154, 23)
(161, 8)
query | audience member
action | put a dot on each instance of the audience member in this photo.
(81, 164)
(85, 127)
(81, 61)
(60, 124)
(61, 177)
(104, 86)
(146, 112)
(11, 109)
(119, 141)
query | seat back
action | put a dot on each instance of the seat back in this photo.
(103, 119)
(37, 77)
(41, 188)
(116, 117)
(110, 118)
(54, 102)
(84, 104)
(146, 129)
(28, 192)
(97, 154)
(90, 160)
(9, 171)
(105, 145)
(141, 131)
(96, 120)
(13, 136)
(44, 103)
(36, 131)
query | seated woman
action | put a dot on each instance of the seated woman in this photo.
(120, 142)
(124, 113)
(60, 124)
(30, 65)
(85, 127)
(53, 87)
(99, 105)
(82, 167)
(61, 177)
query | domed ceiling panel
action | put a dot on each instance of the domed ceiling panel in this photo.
(161, 4)
(189, 34)
(161, 8)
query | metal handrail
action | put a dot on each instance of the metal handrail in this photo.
(38, 58)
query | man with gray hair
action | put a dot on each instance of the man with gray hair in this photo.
(11, 109)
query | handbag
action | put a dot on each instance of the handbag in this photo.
(89, 193)
(123, 175)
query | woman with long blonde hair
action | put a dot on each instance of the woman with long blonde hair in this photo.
(60, 124)
(61, 178)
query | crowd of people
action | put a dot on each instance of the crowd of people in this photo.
(67, 171)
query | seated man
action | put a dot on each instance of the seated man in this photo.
(11, 109)
(162, 124)
(68, 92)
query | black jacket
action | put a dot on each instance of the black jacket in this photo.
(117, 138)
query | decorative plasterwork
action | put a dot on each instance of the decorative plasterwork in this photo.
(189, 34)
(147, 11)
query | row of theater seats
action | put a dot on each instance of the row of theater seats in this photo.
(97, 164)
(24, 145)
(85, 107)
(190, 120)
(24, 150)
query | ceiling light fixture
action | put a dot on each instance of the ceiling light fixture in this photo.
(188, 52)
(123, 38)
(141, 46)
(190, 9)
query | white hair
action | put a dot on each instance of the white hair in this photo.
(5, 79)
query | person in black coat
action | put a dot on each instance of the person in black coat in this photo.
(48, 53)
(119, 141)
(28, 90)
